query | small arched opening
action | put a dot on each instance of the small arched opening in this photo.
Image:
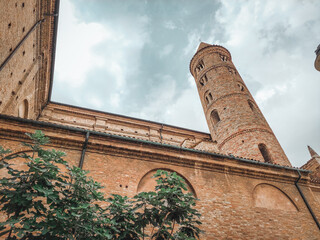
(215, 117)
(23, 110)
(241, 87)
(252, 107)
(265, 153)
(208, 97)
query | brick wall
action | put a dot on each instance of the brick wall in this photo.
(25, 54)
(238, 200)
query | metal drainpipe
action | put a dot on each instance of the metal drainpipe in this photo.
(20, 43)
(305, 200)
(85, 144)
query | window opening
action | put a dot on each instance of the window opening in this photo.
(223, 58)
(232, 71)
(203, 80)
(252, 107)
(215, 117)
(241, 87)
(200, 66)
(208, 97)
(265, 153)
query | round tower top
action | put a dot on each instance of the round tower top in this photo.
(205, 48)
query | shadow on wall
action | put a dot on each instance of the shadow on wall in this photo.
(148, 183)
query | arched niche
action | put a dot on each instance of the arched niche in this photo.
(271, 197)
(23, 109)
(147, 182)
(265, 153)
(215, 118)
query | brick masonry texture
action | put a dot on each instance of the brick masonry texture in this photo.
(26, 75)
(238, 198)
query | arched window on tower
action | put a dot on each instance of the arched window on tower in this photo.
(203, 80)
(232, 71)
(252, 106)
(223, 58)
(265, 153)
(200, 66)
(241, 87)
(215, 117)
(208, 97)
(23, 109)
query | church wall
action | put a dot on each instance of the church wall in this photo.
(234, 196)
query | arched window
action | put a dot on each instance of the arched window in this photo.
(200, 66)
(252, 106)
(203, 80)
(215, 117)
(23, 109)
(232, 71)
(223, 58)
(208, 97)
(265, 153)
(241, 87)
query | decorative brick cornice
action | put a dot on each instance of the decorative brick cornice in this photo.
(225, 64)
(222, 97)
(70, 137)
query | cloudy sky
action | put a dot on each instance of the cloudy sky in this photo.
(132, 58)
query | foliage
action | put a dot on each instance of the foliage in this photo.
(48, 199)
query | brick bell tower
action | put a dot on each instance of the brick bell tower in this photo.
(234, 119)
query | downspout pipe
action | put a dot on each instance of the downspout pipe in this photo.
(84, 149)
(19, 44)
(161, 133)
(305, 200)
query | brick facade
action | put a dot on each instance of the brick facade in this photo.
(239, 198)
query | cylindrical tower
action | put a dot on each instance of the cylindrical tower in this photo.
(234, 119)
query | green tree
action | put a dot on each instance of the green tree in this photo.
(42, 201)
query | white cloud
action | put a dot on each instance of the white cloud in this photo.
(272, 44)
(76, 40)
(166, 50)
(86, 46)
(170, 25)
